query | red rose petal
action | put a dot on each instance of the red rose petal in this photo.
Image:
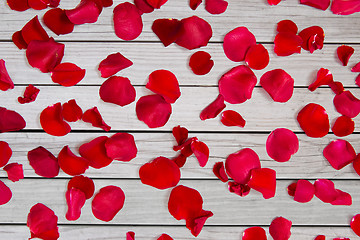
(240, 189)
(355, 224)
(219, 171)
(165, 83)
(30, 94)
(345, 7)
(95, 152)
(75, 200)
(94, 117)
(67, 74)
(42, 222)
(57, 21)
(314, 120)
(156, 3)
(34, 31)
(130, 236)
(5, 193)
(239, 165)
(161, 173)
(231, 118)
(17, 5)
(343, 126)
(304, 191)
(14, 171)
(117, 90)
(325, 190)
(10, 121)
(237, 42)
(257, 57)
(5, 153)
(165, 237)
(313, 38)
(254, 233)
(273, 2)
(280, 228)
(107, 203)
(263, 180)
(357, 80)
(287, 43)
(71, 111)
(70, 163)
(278, 84)
(347, 104)
(85, 184)
(201, 152)
(339, 153)
(237, 85)
(180, 134)
(344, 53)
(356, 164)
(45, 55)
(186, 147)
(336, 87)
(107, 3)
(143, 6)
(320, 237)
(5, 80)
(356, 68)
(121, 147)
(343, 198)
(18, 40)
(38, 4)
(127, 21)
(322, 5)
(195, 225)
(51, 120)
(323, 77)
(167, 30)
(287, 26)
(281, 144)
(195, 32)
(216, 6)
(153, 110)
(213, 109)
(200, 63)
(180, 160)
(112, 64)
(194, 4)
(43, 162)
(87, 11)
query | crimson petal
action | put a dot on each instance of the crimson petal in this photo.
(213, 109)
(356, 68)
(71, 111)
(161, 173)
(281, 144)
(38, 4)
(216, 6)
(343, 126)
(14, 171)
(42, 222)
(180, 134)
(336, 87)
(201, 63)
(30, 94)
(219, 171)
(67, 74)
(280, 228)
(165, 83)
(130, 236)
(314, 120)
(195, 225)
(231, 118)
(278, 84)
(112, 64)
(355, 224)
(87, 11)
(143, 6)
(58, 22)
(339, 153)
(94, 117)
(51, 120)
(165, 237)
(257, 57)
(323, 77)
(18, 40)
(263, 180)
(156, 3)
(240, 189)
(5, 80)
(194, 4)
(121, 147)
(117, 90)
(75, 200)
(345, 7)
(180, 160)
(304, 191)
(347, 104)
(5, 193)
(167, 30)
(287, 43)
(95, 152)
(85, 184)
(70, 163)
(322, 5)
(254, 233)
(357, 80)
(325, 190)
(17, 5)
(43, 162)
(343, 198)
(287, 26)
(344, 53)
(320, 237)
(34, 31)
(5, 153)
(237, 42)
(127, 21)
(273, 2)
(201, 152)
(107, 203)
(10, 121)
(312, 38)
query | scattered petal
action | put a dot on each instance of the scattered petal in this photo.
(18, 40)
(195, 225)
(343, 126)
(343, 198)
(121, 147)
(322, 4)
(213, 109)
(87, 11)
(287, 43)
(356, 68)
(303, 191)
(143, 6)
(237, 42)
(278, 84)
(130, 236)
(263, 180)
(240, 189)
(51, 120)
(219, 171)
(165, 83)
(356, 164)
(167, 30)
(75, 200)
(280, 228)
(194, 4)
(117, 90)
(287, 26)
(67, 74)
(326, 192)
(201, 152)
(71, 111)
(355, 224)
(281, 144)
(273, 2)
(30, 94)
(70, 163)
(257, 57)
(95, 152)
(85, 184)
(156, 3)
(42, 222)
(339, 153)
(43, 162)
(18, 5)
(14, 171)
(312, 38)
(127, 21)
(165, 237)
(180, 134)
(5, 193)
(34, 31)
(180, 160)
(216, 6)
(5, 80)
(58, 22)
(254, 233)
(201, 63)
(38, 4)
(324, 77)
(345, 7)
(112, 64)
(344, 53)
(314, 120)
(94, 117)
(5, 153)
(10, 121)
(231, 118)
(336, 87)
(320, 237)
(107, 203)
(347, 104)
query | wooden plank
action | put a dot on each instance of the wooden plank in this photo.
(148, 57)
(147, 205)
(307, 163)
(257, 15)
(260, 112)
(178, 233)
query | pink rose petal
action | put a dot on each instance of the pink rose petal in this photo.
(339, 153)
(216, 6)
(107, 203)
(345, 7)
(304, 191)
(43, 162)
(130, 236)
(237, 42)
(319, 4)
(75, 200)
(112, 64)
(5, 193)
(343, 198)
(281, 144)
(127, 21)
(278, 84)
(117, 90)
(280, 228)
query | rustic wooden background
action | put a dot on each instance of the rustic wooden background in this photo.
(145, 210)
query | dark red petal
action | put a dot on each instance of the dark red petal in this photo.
(5, 80)
(5, 153)
(167, 30)
(336, 87)
(82, 183)
(314, 120)
(216, 6)
(87, 11)
(153, 110)
(43, 162)
(312, 38)
(347, 104)
(10, 121)
(213, 109)
(263, 180)
(71, 111)
(287, 26)
(165, 83)
(180, 160)
(239, 165)
(38, 4)
(281, 144)
(107, 203)
(161, 173)
(107, 3)
(127, 21)
(45, 55)
(219, 171)
(54, 3)
(34, 31)
(195, 32)
(94, 117)
(186, 147)
(237, 85)
(165, 237)
(130, 236)
(343, 126)
(201, 152)
(320, 237)
(30, 94)
(280, 228)
(196, 224)
(75, 200)
(14, 171)
(237, 42)
(345, 7)
(355, 224)
(57, 21)
(51, 120)
(156, 3)
(344, 53)
(42, 222)
(302, 191)
(18, 40)
(121, 147)
(240, 189)
(325, 190)
(18, 5)
(70, 163)
(180, 134)
(278, 84)
(287, 43)
(117, 90)
(257, 57)
(112, 64)
(356, 68)
(95, 152)
(356, 164)
(323, 77)
(254, 233)
(322, 4)
(339, 153)
(143, 6)
(5, 193)
(201, 63)
(67, 74)
(231, 118)
(194, 4)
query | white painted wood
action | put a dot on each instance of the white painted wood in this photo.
(148, 57)
(257, 15)
(307, 163)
